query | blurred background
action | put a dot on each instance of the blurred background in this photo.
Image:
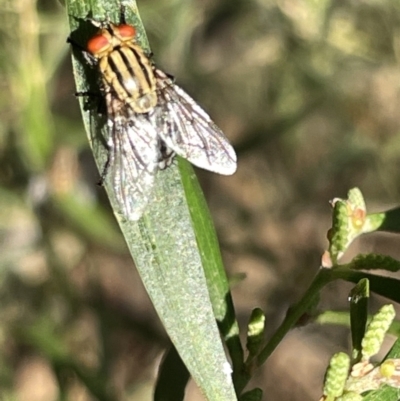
(307, 91)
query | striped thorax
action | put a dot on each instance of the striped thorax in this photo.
(125, 69)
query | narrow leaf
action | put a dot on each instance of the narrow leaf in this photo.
(163, 243)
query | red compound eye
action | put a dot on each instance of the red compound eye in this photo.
(97, 44)
(126, 31)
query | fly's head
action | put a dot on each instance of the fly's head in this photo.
(110, 37)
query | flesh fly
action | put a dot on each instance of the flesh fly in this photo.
(149, 120)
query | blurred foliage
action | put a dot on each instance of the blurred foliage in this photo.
(308, 92)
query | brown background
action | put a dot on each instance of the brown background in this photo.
(308, 93)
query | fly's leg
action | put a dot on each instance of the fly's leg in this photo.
(122, 18)
(110, 140)
(88, 93)
(109, 161)
(101, 106)
(165, 156)
(86, 55)
(94, 101)
(75, 44)
(97, 95)
(107, 164)
(170, 76)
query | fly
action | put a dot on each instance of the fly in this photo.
(149, 120)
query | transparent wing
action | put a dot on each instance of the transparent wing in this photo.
(189, 131)
(133, 158)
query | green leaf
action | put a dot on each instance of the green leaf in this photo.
(385, 286)
(387, 221)
(358, 315)
(172, 378)
(386, 393)
(336, 375)
(348, 221)
(252, 395)
(376, 331)
(255, 332)
(217, 282)
(375, 262)
(164, 245)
